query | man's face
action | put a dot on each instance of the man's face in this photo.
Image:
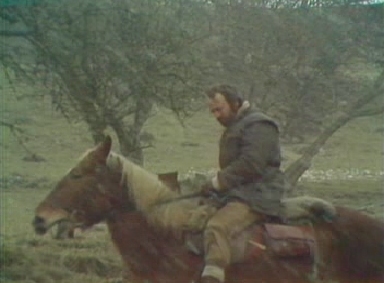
(221, 109)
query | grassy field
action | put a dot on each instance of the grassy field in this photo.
(348, 171)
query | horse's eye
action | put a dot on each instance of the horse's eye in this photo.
(99, 169)
(75, 175)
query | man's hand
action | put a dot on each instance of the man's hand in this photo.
(207, 188)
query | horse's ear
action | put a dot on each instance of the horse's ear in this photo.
(103, 149)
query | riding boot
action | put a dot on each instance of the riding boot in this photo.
(213, 274)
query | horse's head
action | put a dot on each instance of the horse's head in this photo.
(87, 194)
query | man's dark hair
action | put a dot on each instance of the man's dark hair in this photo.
(229, 92)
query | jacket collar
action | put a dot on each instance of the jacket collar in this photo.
(243, 108)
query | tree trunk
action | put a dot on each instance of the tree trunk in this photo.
(129, 137)
(297, 168)
(96, 129)
(130, 146)
(86, 108)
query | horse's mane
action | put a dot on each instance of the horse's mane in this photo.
(148, 193)
(145, 187)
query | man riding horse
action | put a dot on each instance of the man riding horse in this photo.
(249, 182)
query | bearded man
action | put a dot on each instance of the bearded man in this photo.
(249, 179)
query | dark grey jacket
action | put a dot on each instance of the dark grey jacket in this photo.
(249, 160)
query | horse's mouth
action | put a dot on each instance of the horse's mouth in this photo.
(42, 226)
(39, 225)
(40, 230)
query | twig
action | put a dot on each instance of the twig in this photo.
(14, 131)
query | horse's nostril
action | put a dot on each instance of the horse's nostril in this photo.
(38, 221)
(39, 225)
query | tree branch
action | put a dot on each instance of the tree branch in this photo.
(20, 33)
(15, 131)
(12, 127)
(369, 112)
(297, 168)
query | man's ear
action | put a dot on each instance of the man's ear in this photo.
(235, 106)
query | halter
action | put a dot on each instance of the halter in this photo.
(126, 205)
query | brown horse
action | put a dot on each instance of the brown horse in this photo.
(147, 223)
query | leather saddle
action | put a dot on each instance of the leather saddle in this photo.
(276, 239)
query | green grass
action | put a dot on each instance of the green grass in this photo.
(358, 145)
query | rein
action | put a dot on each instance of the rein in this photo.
(212, 195)
(126, 205)
(183, 197)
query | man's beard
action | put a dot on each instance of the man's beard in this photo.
(227, 120)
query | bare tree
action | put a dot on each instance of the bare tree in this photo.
(108, 63)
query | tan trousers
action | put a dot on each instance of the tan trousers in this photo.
(228, 221)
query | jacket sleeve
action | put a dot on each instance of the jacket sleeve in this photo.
(258, 143)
